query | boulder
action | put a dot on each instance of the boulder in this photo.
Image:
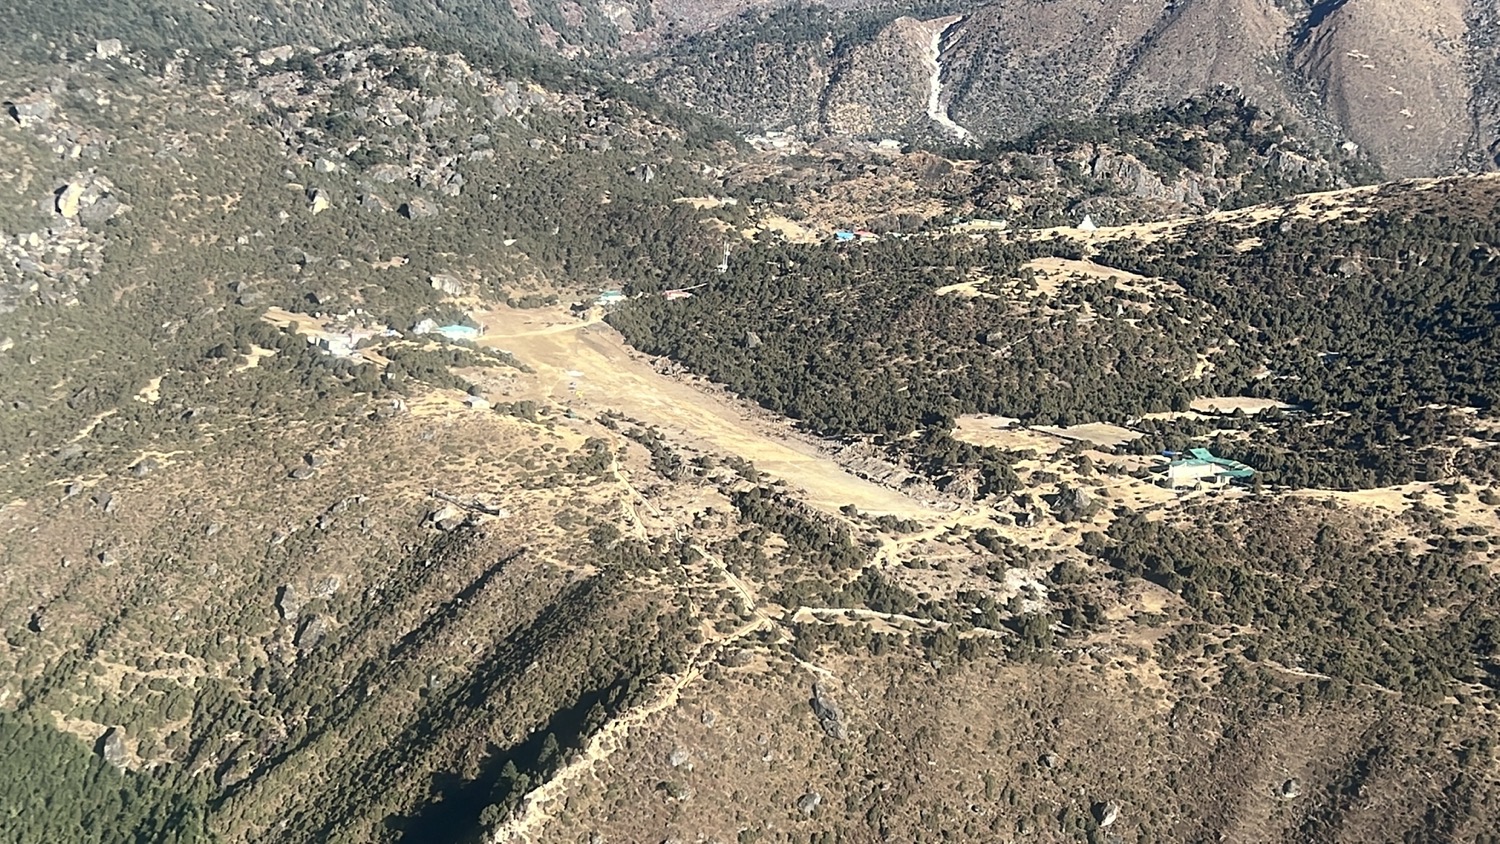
(32, 112)
(104, 500)
(288, 602)
(447, 517)
(323, 165)
(145, 467)
(1106, 813)
(1290, 789)
(678, 757)
(371, 202)
(111, 747)
(275, 54)
(418, 208)
(319, 201)
(67, 199)
(447, 284)
(302, 473)
(311, 632)
(1072, 503)
(809, 802)
(108, 48)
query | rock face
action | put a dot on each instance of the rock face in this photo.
(447, 284)
(1412, 84)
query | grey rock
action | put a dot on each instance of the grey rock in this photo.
(145, 467)
(809, 802)
(1049, 760)
(1106, 813)
(288, 602)
(752, 340)
(418, 208)
(678, 757)
(302, 473)
(447, 517)
(444, 283)
(829, 715)
(275, 54)
(32, 112)
(72, 489)
(108, 48)
(708, 718)
(107, 558)
(371, 202)
(323, 165)
(104, 500)
(1290, 790)
(1071, 503)
(111, 747)
(38, 622)
(386, 174)
(311, 632)
(328, 586)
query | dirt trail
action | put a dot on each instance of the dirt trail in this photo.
(539, 805)
(806, 614)
(587, 363)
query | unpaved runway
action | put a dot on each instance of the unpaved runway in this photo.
(611, 376)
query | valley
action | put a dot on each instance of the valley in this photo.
(578, 423)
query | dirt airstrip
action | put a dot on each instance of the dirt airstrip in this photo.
(585, 363)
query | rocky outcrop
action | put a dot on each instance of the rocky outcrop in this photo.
(418, 208)
(447, 284)
(809, 802)
(111, 748)
(830, 716)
